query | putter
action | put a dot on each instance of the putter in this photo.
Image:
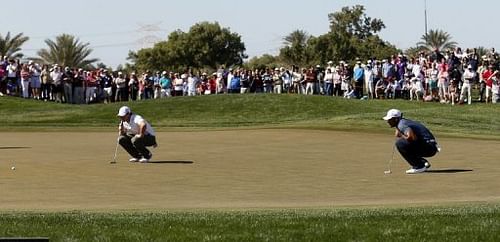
(114, 157)
(389, 171)
(117, 143)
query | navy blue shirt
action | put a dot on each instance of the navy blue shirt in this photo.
(422, 133)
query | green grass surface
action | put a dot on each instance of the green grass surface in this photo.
(460, 223)
(455, 223)
(254, 111)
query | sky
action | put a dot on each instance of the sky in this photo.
(112, 28)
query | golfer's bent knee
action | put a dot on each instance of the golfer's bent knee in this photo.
(123, 139)
(402, 144)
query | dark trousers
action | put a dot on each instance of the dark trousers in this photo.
(136, 147)
(414, 152)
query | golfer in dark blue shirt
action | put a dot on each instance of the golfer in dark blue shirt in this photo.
(413, 141)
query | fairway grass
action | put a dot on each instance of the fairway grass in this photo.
(456, 223)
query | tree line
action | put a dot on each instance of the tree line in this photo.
(207, 46)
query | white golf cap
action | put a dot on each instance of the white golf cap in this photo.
(393, 113)
(123, 111)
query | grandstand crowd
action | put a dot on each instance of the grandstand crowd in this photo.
(446, 77)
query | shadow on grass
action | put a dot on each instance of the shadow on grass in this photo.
(448, 171)
(172, 162)
(13, 147)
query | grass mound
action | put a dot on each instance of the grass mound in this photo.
(254, 111)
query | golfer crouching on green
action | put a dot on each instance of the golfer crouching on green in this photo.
(135, 135)
(413, 141)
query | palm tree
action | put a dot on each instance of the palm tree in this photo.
(295, 43)
(66, 50)
(437, 39)
(10, 47)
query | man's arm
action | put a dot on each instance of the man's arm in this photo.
(121, 131)
(409, 135)
(142, 129)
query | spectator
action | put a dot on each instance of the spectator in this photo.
(178, 85)
(107, 83)
(245, 81)
(121, 88)
(46, 85)
(495, 79)
(133, 86)
(79, 86)
(12, 76)
(58, 88)
(319, 85)
(68, 85)
(443, 83)
(91, 84)
(35, 82)
(433, 81)
(328, 82)
(380, 88)
(469, 76)
(165, 84)
(257, 84)
(310, 80)
(482, 82)
(141, 95)
(487, 75)
(157, 86)
(25, 80)
(267, 80)
(277, 81)
(337, 82)
(192, 83)
(148, 83)
(234, 84)
(220, 83)
(297, 80)
(369, 80)
(212, 83)
(3, 82)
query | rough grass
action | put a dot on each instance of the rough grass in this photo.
(459, 223)
(255, 111)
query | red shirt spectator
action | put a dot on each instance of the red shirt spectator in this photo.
(212, 84)
(486, 76)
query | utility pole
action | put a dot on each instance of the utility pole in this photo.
(425, 16)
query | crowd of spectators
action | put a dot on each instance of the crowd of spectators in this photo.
(446, 77)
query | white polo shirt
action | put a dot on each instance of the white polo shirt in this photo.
(132, 127)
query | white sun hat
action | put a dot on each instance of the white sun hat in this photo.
(123, 111)
(393, 113)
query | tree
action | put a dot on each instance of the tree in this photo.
(414, 51)
(295, 49)
(436, 39)
(66, 50)
(353, 22)
(481, 51)
(10, 46)
(206, 45)
(262, 62)
(352, 35)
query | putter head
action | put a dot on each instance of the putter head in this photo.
(388, 172)
(112, 162)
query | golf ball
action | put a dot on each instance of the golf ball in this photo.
(13, 168)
